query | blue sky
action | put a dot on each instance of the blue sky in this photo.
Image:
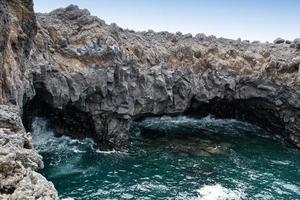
(262, 20)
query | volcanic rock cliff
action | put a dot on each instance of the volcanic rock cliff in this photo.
(18, 159)
(109, 76)
(91, 79)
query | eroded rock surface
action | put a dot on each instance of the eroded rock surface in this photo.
(92, 79)
(18, 159)
(115, 75)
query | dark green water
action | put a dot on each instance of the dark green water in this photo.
(174, 158)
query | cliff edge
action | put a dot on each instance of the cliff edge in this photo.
(112, 76)
(92, 79)
(18, 159)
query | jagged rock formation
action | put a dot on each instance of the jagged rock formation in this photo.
(18, 159)
(92, 79)
(18, 28)
(112, 75)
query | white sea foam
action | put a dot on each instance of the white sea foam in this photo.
(218, 192)
(208, 123)
(282, 187)
(182, 120)
(291, 187)
(41, 134)
(111, 152)
(44, 139)
(278, 162)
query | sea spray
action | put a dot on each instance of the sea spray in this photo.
(218, 192)
(173, 158)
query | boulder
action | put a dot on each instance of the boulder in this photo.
(288, 42)
(297, 43)
(279, 41)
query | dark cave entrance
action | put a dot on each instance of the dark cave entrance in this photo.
(257, 111)
(72, 122)
(68, 121)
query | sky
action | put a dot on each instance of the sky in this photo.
(262, 20)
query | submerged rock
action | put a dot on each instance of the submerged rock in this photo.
(201, 153)
(221, 148)
(214, 149)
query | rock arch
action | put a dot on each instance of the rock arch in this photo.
(107, 99)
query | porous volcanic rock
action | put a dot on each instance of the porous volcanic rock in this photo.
(92, 79)
(115, 75)
(279, 41)
(297, 43)
(18, 159)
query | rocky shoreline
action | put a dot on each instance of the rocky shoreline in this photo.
(19, 161)
(91, 79)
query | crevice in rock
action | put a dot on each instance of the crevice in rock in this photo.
(7, 190)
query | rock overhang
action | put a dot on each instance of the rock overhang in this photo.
(116, 75)
(69, 58)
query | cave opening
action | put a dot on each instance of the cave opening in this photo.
(186, 148)
(75, 123)
(256, 111)
(68, 121)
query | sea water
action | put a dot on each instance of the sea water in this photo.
(173, 158)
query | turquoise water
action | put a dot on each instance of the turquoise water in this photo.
(174, 158)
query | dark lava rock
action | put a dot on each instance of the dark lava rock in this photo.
(279, 41)
(297, 43)
(101, 76)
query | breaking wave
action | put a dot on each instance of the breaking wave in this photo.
(44, 140)
(218, 192)
(184, 159)
(206, 125)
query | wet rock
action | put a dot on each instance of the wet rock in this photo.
(216, 149)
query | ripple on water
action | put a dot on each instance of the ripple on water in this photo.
(175, 158)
